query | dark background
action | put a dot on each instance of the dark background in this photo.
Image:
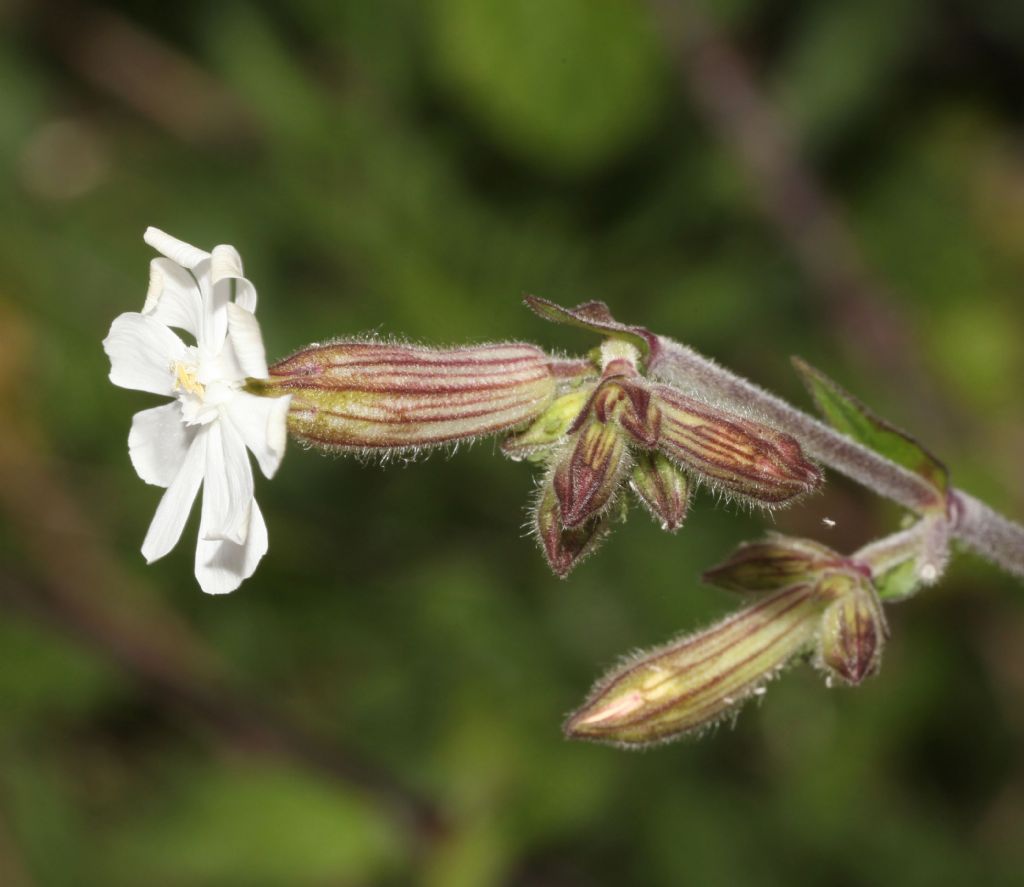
(381, 703)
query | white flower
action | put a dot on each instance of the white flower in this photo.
(200, 438)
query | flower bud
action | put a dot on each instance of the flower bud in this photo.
(733, 454)
(853, 630)
(630, 402)
(375, 395)
(589, 474)
(565, 547)
(778, 562)
(662, 488)
(695, 681)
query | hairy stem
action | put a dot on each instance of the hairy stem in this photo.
(889, 551)
(988, 533)
(973, 522)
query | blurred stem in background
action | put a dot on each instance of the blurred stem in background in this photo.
(715, 74)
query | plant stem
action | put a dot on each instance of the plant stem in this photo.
(973, 522)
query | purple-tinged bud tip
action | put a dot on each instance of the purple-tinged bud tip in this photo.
(564, 547)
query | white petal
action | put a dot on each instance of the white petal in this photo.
(158, 443)
(172, 512)
(263, 424)
(228, 486)
(142, 352)
(226, 272)
(174, 297)
(184, 254)
(247, 341)
(221, 565)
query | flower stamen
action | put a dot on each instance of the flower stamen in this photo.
(186, 379)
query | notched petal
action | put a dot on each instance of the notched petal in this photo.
(173, 297)
(247, 341)
(262, 423)
(226, 274)
(142, 352)
(158, 444)
(228, 485)
(221, 565)
(173, 510)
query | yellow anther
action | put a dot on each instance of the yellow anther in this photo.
(186, 379)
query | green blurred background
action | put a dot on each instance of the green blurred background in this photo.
(381, 703)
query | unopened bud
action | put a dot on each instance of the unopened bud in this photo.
(590, 472)
(778, 562)
(853, 631)
(564, 547)
(629, 401)
(662, 488)
(734, 455)
(375, 396)
(695, 681)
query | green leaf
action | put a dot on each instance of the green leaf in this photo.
(851, 417)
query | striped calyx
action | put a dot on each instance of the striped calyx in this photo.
(662, 488)
(589, 463)
(378, 396)
(696, 680)
(776, 562)
(739, 457)
(564, 547)
(853, 631)
(618, 429)
(811, 601)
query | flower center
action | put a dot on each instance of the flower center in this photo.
(186, 379)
